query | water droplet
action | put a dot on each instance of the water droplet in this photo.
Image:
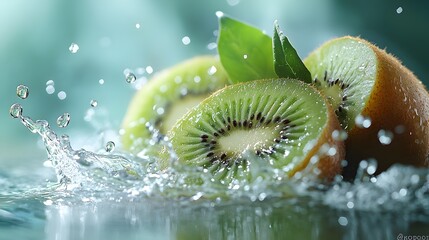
(233, 2)
(22, 91)
(74, 48)
(400, 129)
(362, 121)
(94, 103)
(219, 14)
(399, 10)
(137, 25)
(160, 111)
(63, 120)
(245, 56)
(110, 146)
(211, 46)
(186, 40)
(339, 135)
(101, 81)
(149, 70)
(15, 110)
(385, 137)
(130, 77)
(343, 221)
(197, 79)
(212, 70)
(62, 95)
(50, 89)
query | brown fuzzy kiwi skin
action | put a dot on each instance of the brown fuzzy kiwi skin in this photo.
(398, 100)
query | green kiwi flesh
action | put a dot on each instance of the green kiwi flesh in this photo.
(276, 121)
(345, 71)
(168, 96)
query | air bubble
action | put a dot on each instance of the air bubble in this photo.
(399, 10)
(137, 25)
(22, 91)
(110, 146)
(101, 81)
(350, 205)
(385, 137)
(186, 40)
(245, 56)
(62, 95)
(15, 110)
(130, 77)
(93, 103)
(50, 82)
(63, 120)
(362, 121)
(73, 48)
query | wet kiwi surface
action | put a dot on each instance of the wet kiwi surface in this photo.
(364, 82)
(168, 96)
(281, 123)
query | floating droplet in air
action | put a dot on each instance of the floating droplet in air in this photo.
(63, 120)
(94, 103)
(149, 69)
(385, 137)
(399, 10)
(74, 48)
(186, 40)
(50, 89)
(130, 77)
(15, 110)
(62, 95)
(22, 91)
(110, 146)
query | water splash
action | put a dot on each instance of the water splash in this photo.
(78, 167)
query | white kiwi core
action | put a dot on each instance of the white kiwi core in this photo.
(250, 139)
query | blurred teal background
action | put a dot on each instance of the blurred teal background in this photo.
(35, 37)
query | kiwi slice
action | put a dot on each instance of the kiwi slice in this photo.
(278, 122)
(364, 82)
(168, 96)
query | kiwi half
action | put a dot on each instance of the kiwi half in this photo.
(361, 80)
(168, 96)
(280, 122)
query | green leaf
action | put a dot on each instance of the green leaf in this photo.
(245, 51)
(287, 63)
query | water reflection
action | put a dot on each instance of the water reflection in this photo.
(273, 219)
